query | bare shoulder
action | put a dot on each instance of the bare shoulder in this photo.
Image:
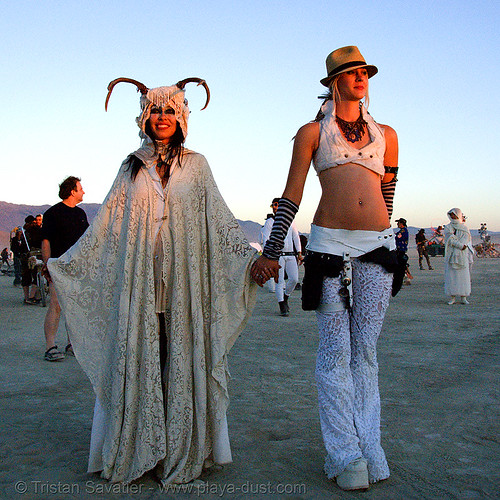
(391, 148)
(390, 133)
(310, 129)
(308, 134)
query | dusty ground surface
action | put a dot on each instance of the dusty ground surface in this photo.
(439, 383)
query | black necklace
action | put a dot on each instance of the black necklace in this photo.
(164, 162)
(353, 131)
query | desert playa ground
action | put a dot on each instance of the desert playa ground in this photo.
(439, 382)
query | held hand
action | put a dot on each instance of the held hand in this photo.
(264, 269)
(46, 274)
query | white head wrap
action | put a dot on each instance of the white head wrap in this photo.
(458, 213)
(162, 97)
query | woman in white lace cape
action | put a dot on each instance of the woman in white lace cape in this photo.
(458, 257)
(164, 253)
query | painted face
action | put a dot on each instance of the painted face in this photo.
(353, 84)
(162, 123)
(163, 98)
(78, 192)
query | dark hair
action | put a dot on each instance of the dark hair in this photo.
(67, 186)
(174, 148)
(29, 219)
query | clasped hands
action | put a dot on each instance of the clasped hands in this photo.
(46, 274)
(263, 269)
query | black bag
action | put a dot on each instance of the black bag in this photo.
(320, 265)
(399, 273)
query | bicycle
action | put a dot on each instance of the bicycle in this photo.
(41, 281)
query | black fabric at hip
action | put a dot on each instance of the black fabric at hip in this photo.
(319, 265)
(399, 274)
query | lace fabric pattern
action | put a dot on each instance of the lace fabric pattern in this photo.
(106, 286)
(347, 371)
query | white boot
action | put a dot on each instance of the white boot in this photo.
(354, 476)
(452, 301)
(464, 300)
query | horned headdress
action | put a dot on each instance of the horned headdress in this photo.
(172, 96)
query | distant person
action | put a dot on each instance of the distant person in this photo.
(458, 257)
(402, 238)
(63, 224)
(5, 259)
(303, 245)
(18, 247)
(421, 241)
(438, 236)
(28, 275)
(269, 285)
(33, 234)
(290, 256)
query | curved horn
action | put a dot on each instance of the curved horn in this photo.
(199, 81)
(140, 87)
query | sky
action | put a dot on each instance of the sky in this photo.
(437, 86)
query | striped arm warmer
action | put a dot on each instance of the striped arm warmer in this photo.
(388, 190)
(282, 221)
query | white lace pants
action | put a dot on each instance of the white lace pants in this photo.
(347, 371)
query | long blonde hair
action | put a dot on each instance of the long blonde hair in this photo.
(333, 93)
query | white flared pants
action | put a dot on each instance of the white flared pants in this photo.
(289, 266)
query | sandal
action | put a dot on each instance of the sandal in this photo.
(69, 350)
(53, 354)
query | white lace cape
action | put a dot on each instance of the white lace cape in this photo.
(105, 285)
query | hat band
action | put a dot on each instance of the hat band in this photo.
(345, 66)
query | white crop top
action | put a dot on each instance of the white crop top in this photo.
(334, 150)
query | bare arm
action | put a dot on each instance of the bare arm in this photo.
(45, 251)
(306, 142)
(391, 151)
(45, 258)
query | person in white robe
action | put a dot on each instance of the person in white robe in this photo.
(155, 294)
(458, 258)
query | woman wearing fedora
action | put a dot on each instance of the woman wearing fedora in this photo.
(349, 263)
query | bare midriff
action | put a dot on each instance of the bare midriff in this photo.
(351, 199)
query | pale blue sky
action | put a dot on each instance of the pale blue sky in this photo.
(437, 86)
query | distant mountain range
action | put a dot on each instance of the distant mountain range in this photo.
(13, 215)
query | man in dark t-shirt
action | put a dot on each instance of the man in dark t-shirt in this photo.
(63, 224)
